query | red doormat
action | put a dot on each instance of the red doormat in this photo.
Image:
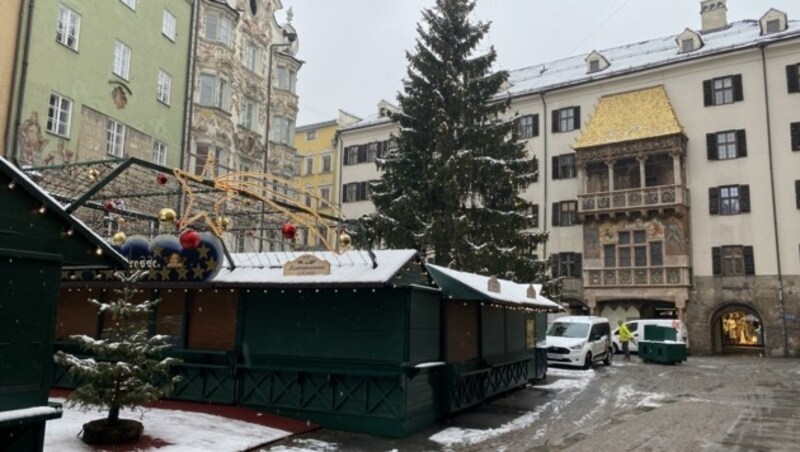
(240, 413)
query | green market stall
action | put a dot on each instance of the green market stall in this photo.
(493, 338)
(38, 239)
(360, 340)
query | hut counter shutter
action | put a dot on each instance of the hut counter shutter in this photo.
(212, 320)
(76, 315)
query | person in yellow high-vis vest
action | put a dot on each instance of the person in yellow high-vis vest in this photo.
(625, 336)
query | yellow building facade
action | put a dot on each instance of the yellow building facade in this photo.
(9, 24)
(319, 170)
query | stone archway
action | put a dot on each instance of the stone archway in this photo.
(575, 306)
(737, 329)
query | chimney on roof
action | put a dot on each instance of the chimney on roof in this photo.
(714, 14)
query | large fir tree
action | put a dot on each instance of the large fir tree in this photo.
(452, 186)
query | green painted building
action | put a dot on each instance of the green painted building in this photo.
(96, 79)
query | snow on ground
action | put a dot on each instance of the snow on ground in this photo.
(567, 385)
(306, 445)
(183, 431)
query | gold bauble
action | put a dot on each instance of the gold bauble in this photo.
(93, 174)
(166, 215)
(119, 238)
(344, 239)
(222, 222)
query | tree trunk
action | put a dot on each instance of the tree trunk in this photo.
(113, 414)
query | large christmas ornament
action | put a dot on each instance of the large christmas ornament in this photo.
(161, 178)
(344, 239)
(93, 174)
(108, 205)
(190, 239)
(166, 215)
(289, 231)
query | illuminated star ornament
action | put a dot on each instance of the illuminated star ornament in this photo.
(282, 203)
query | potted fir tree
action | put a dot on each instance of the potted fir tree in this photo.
(125, 370)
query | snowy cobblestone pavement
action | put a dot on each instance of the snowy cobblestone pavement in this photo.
(706, 403)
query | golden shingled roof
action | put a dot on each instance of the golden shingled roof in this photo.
(634, 115)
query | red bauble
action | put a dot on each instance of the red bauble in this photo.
(161, 179)
(108, 205)
(190, 239)
(289, 231)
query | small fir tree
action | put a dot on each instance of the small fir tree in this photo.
(451, 188)
(126, 368)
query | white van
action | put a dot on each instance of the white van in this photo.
(637, 330)
(579, 341)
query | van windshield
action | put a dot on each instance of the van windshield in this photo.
(564, 329)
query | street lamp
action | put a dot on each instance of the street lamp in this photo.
(291, 37)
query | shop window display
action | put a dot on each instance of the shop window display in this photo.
(741, 329)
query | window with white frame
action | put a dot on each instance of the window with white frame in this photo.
(218, 28)
(59, 114)
(282, 130)
(122, 60)
(285, 78)
(68, 27)
(566, 119)
(164, 87)
(130, 4)
(248, 113)
(159, 153)
(309, 166)
(325, 193)
(115, 138)
(214, 91)
(168, 25)
(311, 135)
(251, 56)
(326, 163)
(528, 126)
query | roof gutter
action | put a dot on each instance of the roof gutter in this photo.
(23, 76)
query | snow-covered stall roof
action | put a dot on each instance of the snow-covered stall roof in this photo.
(56, 207)
(639, 56)
(478, 289)
(348, 268)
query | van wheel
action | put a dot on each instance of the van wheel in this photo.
(609, 357)
(587, 362)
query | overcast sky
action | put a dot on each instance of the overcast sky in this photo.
(354, 50)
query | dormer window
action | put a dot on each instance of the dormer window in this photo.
(773, 21)
(773, 26)
(595, 62)
(688, 41)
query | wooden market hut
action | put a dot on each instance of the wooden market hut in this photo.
(38, 239)
(493, 333)
(362, 340)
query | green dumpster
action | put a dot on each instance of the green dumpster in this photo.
(660, 345)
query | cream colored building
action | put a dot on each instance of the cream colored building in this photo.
(669, 178)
